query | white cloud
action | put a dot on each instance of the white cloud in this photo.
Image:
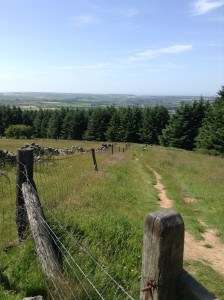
(152, 53)
(201, 7)
(83, 20)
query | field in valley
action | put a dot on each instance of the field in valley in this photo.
(105, 211)
(35, 101)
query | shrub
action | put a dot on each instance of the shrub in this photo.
(19, 131)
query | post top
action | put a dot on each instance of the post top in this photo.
(165, 218)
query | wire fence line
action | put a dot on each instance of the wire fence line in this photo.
(82, 265)
(80, 269)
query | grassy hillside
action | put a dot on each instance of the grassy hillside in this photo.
(105, 210)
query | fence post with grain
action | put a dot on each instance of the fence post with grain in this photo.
(24, 172)
(29, 203)
(163, 276)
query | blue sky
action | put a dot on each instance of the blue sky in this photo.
(150, 47)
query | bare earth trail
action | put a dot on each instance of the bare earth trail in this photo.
(209, 251)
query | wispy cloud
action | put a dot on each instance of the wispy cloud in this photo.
(129, 12)
(90, 67)
(152, 53)
(83, 20)
(202, 7)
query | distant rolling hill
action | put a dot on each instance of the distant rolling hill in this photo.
(31, 100)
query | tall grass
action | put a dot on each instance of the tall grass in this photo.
(106, 210)
(192, 175)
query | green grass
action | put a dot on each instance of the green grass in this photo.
(189, 174)
(105, 210)
(13, 144)
(108, 208)
(206, 275)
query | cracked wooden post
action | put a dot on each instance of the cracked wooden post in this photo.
(162, 260)
(42, 235)
(24, 173)
(46, 243)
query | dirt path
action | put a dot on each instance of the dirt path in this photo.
(164, 201)
(209, 251)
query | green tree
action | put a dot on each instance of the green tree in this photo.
(112, 133)
(16, 115)
(211, 134)
(54, 125)
(6, 118)
(19, 131)
(37, 123)
(154, 120)
(97, 125)
(184, 125)
(46, 115)
(133, 125)
(68, 125)
(80, 124)
(28, 116)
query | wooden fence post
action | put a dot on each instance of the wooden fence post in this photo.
(24, 173)
(41, 231)
(162, 260)
(112, 149)
(28, 206)
(94, 159)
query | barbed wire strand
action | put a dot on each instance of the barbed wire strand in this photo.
(56, 240)
(83, 249)
(28, 181)
(53, 235)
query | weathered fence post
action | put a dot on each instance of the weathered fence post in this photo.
(42, 235)
(162, 260)
(112, 149)
(29, 207)
(24, 173)
(94, 159)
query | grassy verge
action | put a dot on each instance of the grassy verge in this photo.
(106, 210)
(195, 176)
(189, 175)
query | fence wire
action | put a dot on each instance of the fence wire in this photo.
(84, 276)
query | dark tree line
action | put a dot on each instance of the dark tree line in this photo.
(124, 124)
(199, 126)
(196, 125)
